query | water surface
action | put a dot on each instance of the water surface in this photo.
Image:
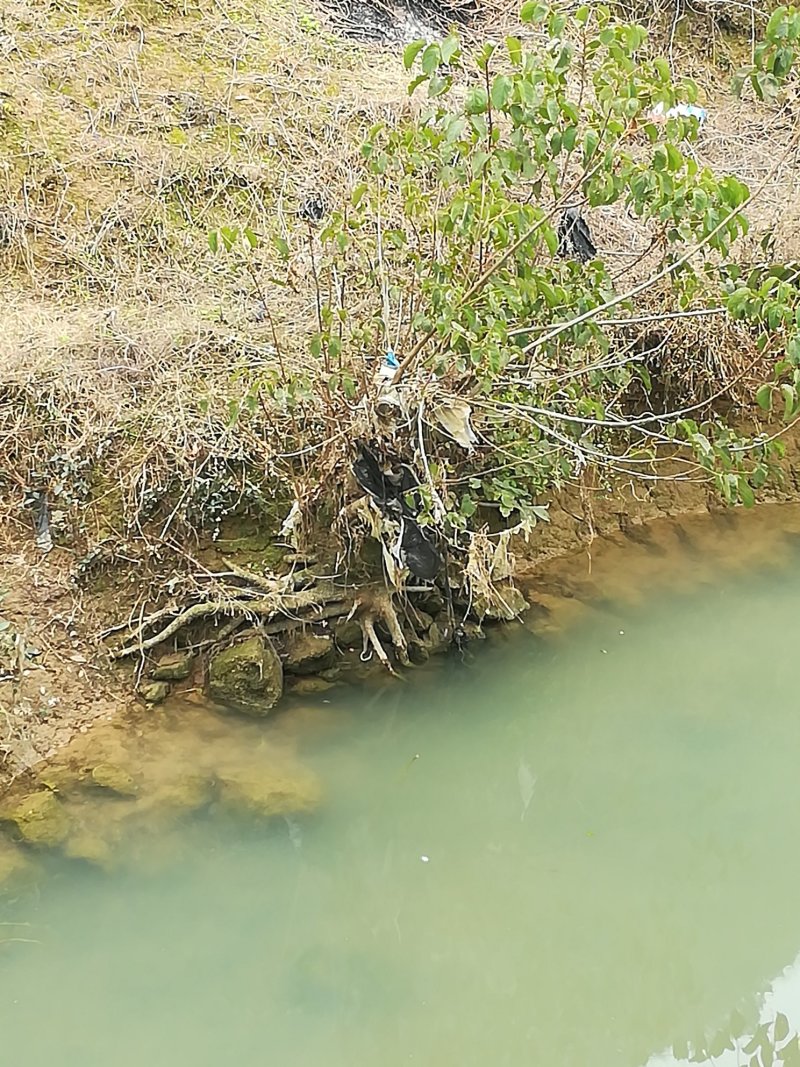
(576, 849)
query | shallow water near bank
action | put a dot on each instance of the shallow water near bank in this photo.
(579, 847)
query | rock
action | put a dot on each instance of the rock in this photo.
(438, 639)
(266, 794)
(307, 653)
(84, 845)
(185, 794)
(153, 692)
(506, 603)
(417, 653)
(115, 780)
(306, 685)
(173, 668)
(431, 601)
(38, 818)
(247, 677)
(422, 620)
(13, 864)
(348, 633)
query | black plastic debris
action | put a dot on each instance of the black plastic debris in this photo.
(574, 237)
(417, 551)
(394, 489)
(312, 209)
(36, 500)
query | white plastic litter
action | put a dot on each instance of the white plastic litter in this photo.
(686, 111)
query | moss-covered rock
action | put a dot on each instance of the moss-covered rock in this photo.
(38, 818)
(114, 779)
(153, 692)
(308, 653)
(265, 794)
(247, 677)
(173, 668)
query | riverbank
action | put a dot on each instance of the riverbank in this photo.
(62, 683)
(194, 355)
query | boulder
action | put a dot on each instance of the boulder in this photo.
(173, 668)
(307, 653)
(153, 692)
(247, 677)
(115, 780)
(38, 817)
(265, 794)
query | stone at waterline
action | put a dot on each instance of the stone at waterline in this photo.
(173, 668)
(307, 653)
(308, 685)
(115, 780)
(38, 818)
(247, 677)
(153, 692)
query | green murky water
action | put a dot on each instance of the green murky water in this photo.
(574, 850)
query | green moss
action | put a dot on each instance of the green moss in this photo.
(39, 819)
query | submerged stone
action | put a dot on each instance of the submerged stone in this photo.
(115, 780)
(39, 818)
(307, 685)
(188, 793)
(307, 653)
(266, 794)
(13, 864)
(173, 668)
(247, 677)
(89, 847)
(153, 692)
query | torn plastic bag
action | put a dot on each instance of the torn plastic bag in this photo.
(453, 416)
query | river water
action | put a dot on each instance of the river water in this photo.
(579, 848)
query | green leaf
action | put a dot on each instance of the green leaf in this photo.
(431, 58)
(514, 46)
(764, 397)
(229, 235)
(411, 52)
(501, 91)
(748, 498)
(534, 11)
(282, 247)
(251, 237)
(450, 48)
(213, 240)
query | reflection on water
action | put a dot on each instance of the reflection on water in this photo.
(591, 858)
